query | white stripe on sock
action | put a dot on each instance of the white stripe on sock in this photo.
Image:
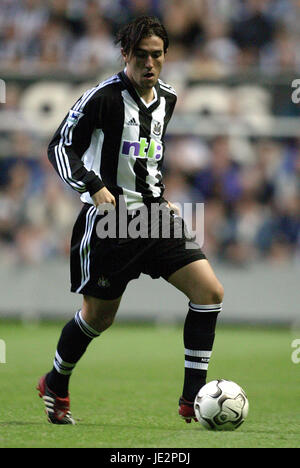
(206, 307)
(196, 365)
(62, 367)
(197, 353)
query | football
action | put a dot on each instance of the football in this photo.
(221, 405)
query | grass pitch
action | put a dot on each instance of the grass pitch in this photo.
(124, 391)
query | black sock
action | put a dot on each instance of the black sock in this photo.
(74, 339)
(198, 334)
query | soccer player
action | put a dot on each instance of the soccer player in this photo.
(110, 148)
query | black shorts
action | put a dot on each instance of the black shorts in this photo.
(102, 267)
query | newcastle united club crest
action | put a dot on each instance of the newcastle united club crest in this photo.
(103, 282)
(156, 128)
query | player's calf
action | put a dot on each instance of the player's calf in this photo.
(199, 335)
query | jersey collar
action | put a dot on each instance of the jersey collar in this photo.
(149, 108)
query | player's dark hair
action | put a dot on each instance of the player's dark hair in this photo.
(132, 33)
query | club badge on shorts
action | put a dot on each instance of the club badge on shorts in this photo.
(103, 282)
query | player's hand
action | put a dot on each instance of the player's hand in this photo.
(104, 200)
(174, 208)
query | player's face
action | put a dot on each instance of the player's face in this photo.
(144, 64)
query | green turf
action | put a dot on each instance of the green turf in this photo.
(124, 391)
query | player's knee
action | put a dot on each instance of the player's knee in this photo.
(217, 294)
(213, 294)
(99, 319)
(105, 320)
(99, 314)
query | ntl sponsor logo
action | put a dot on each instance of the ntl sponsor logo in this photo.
(142, 149)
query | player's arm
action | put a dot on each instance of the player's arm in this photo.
(70, 142)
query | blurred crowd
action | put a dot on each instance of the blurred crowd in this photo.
(250, 191)
(43, 36)
(251, 199)
(250, 187)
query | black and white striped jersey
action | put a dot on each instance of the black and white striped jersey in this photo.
(112, 138)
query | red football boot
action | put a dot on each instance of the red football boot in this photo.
(57, 409)
(186, 410)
